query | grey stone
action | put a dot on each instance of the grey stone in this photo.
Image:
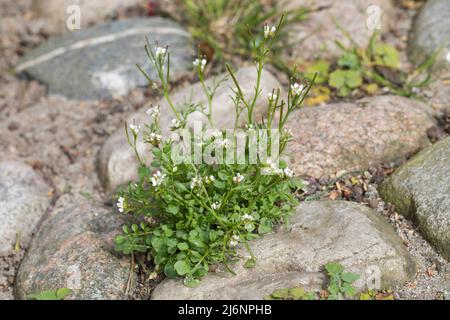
(355, 136)
(420, 190)
(117, 163)
(100, 62)
(74, 249)
(318, 233)
(430, 32)
(24, 199)
(315, 36)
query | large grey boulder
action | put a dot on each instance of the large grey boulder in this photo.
(356, 135)
(318, 233)
(420, 190)
(74, 249)
(24, 200)
(430, 32)
(117, 163)
(100, 62)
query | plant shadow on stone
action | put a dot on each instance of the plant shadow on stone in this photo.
(191, 216)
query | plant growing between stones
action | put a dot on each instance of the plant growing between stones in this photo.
(222, 27)
(190, 215)
(367, 69)
(340, 286)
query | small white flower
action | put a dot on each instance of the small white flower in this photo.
(155, 138)
(157, 178)
(448, 56)
(269, 31)
(238, 178)
(196, 182)
(234, 241)
(121, 204)
(210, 179)
(160, 51)
(272, 96)
(215, 205)
(297, 88)
(135, 128)
(175, 169)
(200, 62)
(217, 134)
(247, 217)
(288, 172)
(249, 227)
(225, 143)
(154, 111)
(175, 124)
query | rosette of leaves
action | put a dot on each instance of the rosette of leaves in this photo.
(191, 216)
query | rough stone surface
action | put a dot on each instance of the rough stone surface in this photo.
(100, 62)
(420, 190)
(319, 232)
(430, 31)
(355, 136)
(6, 295)
(316, 35)
(25, 198)
(117, 163)
(74, 249)
(57, 12)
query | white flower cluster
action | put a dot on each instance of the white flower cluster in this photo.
(269, 31)
(223, 143)
(160, 51)
(272, 168)
(238, 178)
(135, 128)
(121, 204)
(154, 112)
(216, 205)
(297, 89)
(157, 178)
(175, 124)
(200, 62)
(198, 181)
(234, 241)
(154, 138)
(247, 217)
(272, 96)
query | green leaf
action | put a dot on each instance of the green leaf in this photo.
(334, 268)
(349, 60)
(191, 282)
(182, 267)
(349, 277)
(337, 79)
(170, 271)
(353, 79)
(250, 263)
(297, 293)
(281, 293)
(173, 209)
(183, 246)
(63, 293)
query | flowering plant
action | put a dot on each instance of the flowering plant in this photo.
(192, 214)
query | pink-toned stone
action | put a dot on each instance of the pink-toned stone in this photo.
(355, 136)
(74, 249)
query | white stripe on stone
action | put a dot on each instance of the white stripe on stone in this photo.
(96, 41)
